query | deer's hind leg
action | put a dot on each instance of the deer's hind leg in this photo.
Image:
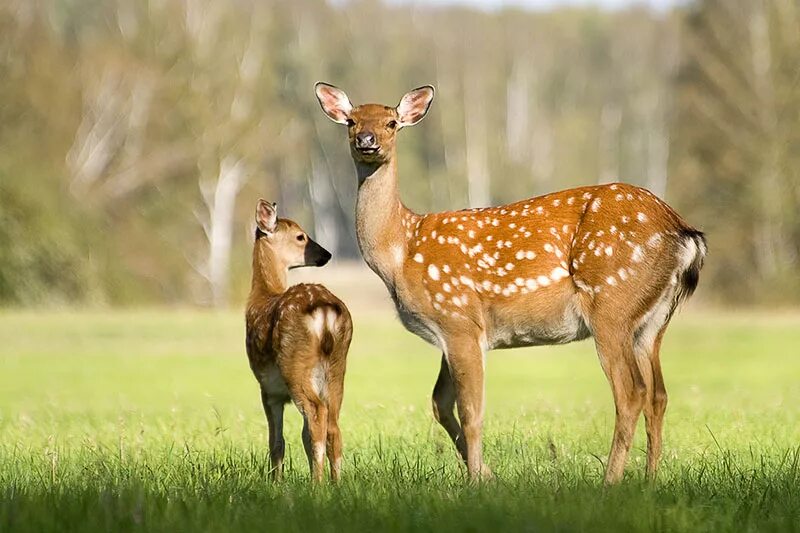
(628, 386)
(655, 404)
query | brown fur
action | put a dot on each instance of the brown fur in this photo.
(295, 355)
(610, 261)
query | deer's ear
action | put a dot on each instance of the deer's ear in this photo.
(334, 102)
(267, 216)
(414, 105)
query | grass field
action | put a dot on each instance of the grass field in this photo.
(127, 421)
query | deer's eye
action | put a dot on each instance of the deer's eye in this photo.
(301, 237)
(392, 124)
(350, 122)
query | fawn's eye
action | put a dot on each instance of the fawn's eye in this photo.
(350, 122)
(392, 124)
(301, 237)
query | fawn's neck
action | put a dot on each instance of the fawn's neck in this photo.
(379, 217)
(269, 274)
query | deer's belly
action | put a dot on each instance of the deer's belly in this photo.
(537, 331)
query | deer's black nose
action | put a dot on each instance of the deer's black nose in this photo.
(365, 139)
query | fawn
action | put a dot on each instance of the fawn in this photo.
(297, 341)
(606, 261)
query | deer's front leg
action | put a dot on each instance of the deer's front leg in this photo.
(444, 404)
(273, 408)
(465, 362)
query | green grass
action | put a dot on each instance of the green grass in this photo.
(151, 421)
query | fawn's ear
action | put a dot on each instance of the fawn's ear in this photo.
(267, 216)
(334, 102)
(414, 105)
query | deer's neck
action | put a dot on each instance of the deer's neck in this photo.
(379, 219)
(269, 274)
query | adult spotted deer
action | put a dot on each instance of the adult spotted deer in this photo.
(607, 261)
(297, 341)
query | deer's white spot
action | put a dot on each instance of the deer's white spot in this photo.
(497, 289)
(548, 247)
(519, 255)
(654, 240)
(501, 272)
(440, 239)
(418, 258)
(622, 274)
(637, 254)
(641, 217)
(512, 225)
(613, 187)
(544, 281)
(467, 281)
(565, 228)
(487, 285)
(611, 280)
(456, 301)
(558, 273)
(629, 196)
(598, 251)
(570, 200)
(609, 251)
(519, 281)
(539, 210)
(471, 234)
(495, 222)
(625, 219)
(509, 266)
(446, 269)
(439, 297)
(591, 245)
(529, 254)
(556, 202)
(433, 272)
(596, 205)
(613, 229)
(531, 284)
(446, 287)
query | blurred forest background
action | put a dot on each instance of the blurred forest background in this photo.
(136, 135)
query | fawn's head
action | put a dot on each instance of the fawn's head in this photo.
(372, 128)
(289, 244)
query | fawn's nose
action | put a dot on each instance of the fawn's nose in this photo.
(365, 139)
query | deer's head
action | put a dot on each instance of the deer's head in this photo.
(372, 128)
(291, 247)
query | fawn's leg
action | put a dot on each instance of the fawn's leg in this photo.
(273, 408)
(315, 422)
(334, 436)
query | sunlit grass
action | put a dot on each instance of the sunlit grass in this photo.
(152, 420)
